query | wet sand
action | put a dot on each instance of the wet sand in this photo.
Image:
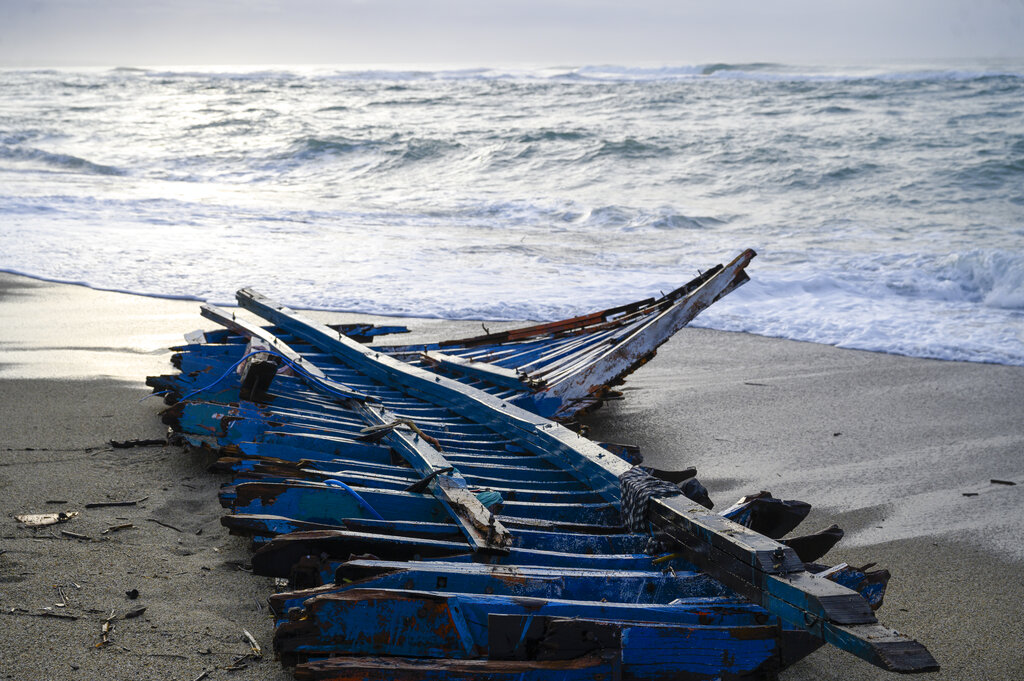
(885, 446)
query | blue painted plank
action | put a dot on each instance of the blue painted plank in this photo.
(319, 503)
(434, 624)
(567, 584)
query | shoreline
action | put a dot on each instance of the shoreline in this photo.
(7, 277)
(884, 445)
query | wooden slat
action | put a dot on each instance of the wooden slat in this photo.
(491, 373)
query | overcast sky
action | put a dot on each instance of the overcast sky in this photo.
(552, 32)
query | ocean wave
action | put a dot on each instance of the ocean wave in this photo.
(65, 162)
(989, 278)
(992, 278)
(552, 136)
(428, 149)
(415, 74)
(835, 110)
(673, 221)
(709, 69)
(622, 219)
(625, 149)
(878, 316)
(391, 153)
(409, 102)
(315, 147)
(613, 72)
(81, 85)
(991, 174)
(755, 71)
(222, 123)
(819, 178)
(947, 75)
(216, 74)
(669, 72)
(867, 76)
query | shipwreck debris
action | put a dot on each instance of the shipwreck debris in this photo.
(491, 541)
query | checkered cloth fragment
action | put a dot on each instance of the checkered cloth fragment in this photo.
(639, 487)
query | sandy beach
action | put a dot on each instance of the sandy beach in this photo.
(886, 446)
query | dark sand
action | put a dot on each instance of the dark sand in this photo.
(884, 445)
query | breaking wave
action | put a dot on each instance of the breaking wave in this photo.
(56, 161)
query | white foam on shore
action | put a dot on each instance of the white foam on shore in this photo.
(965, 307)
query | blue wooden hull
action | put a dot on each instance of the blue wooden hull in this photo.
(434, 525)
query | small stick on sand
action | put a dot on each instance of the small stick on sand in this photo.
(160, 522)
(101, 504)
(257, 652)
(75, 535)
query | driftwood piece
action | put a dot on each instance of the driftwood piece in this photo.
(45, 519)
(103, 504)
(160, 522)
(75, 535)
(257, 652)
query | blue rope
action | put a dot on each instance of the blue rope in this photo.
(298, 368)
(331, 482)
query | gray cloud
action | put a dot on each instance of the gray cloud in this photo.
(119, 32)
